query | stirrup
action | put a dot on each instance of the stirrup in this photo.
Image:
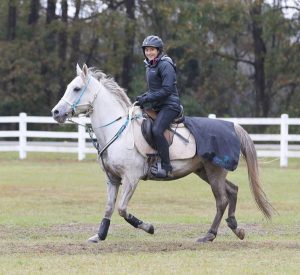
(159, 172)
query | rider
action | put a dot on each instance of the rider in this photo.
(162, 96)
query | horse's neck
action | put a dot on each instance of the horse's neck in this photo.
(107, 109)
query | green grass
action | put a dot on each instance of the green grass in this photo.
(51, 203)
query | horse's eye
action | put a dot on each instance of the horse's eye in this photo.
(77, 89)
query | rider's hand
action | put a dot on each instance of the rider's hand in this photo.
(141, 100)
(136, 103)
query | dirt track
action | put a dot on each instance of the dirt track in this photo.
(39, 240)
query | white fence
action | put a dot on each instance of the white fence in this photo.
(27, 140)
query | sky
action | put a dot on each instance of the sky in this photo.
(288, 12)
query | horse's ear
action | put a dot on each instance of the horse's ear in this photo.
(78, 70)
(85, 70)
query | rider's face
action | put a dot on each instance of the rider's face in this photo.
(151, 53)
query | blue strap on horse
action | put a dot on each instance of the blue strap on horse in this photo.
(110, 123)
(116, 136)
(73, 106)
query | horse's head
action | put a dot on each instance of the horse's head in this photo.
(78, 98)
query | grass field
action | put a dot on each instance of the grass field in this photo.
(51, 204)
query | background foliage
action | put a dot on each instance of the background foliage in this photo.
(234, 58)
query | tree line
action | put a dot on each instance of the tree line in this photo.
(234, 58)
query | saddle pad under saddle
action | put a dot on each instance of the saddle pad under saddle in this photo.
(179, 149)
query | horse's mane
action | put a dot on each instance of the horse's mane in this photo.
(110, 84)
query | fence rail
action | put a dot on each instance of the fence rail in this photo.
(281, 145)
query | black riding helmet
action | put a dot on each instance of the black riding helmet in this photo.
(153, 41)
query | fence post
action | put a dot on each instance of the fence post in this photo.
(284, 132)
(22, 136)
(81, 138)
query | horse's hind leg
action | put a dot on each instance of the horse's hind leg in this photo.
(232, 191)
(216, 177)
(127, 191)
(112, 192)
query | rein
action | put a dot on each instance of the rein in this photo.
(90, 130)
(96, 144)
(110, 123)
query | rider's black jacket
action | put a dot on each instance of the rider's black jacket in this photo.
(161, 80)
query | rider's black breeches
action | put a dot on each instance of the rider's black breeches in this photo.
(161, 123)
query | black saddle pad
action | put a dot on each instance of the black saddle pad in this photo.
(216, 140)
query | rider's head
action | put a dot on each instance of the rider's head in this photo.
(150, 42)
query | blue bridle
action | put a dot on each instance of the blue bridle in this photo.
(76, 102)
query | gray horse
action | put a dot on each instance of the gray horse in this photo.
(92, 93)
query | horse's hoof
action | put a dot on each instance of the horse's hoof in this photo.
(151, 229)
(147, 227)
(94, 239)
(240, 232)
(209, 237)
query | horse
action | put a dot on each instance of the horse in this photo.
(92, 93)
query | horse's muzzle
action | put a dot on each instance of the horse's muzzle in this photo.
(59, 116)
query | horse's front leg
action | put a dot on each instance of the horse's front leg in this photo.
(112, 192)
(128, 189)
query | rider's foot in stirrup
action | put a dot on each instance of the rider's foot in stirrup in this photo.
(161, 171)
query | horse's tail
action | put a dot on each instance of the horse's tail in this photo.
(249, 153)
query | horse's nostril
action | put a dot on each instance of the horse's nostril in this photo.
(56, 112)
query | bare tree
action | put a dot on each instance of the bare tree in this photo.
(260, 51)
(130, 37)
(62, 46)
(11, 21)
(34, 12)
(62, 36)
(75, 40)
(50, 13)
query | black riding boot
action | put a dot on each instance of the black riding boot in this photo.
(161, 123)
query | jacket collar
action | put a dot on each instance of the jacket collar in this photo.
(154, 62)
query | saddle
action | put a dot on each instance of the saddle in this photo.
(146, 127)
(182, 144)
